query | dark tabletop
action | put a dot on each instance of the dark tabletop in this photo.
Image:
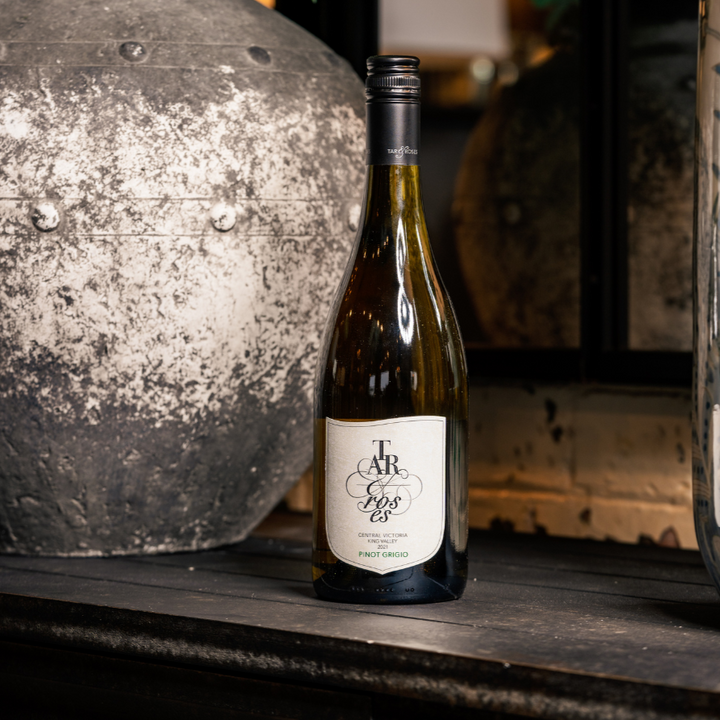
(548, 627)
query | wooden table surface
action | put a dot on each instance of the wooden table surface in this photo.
(548, 627)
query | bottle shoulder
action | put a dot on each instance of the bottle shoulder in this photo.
(392, 356)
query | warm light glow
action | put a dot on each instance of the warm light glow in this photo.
(267, 3)
(461, 28)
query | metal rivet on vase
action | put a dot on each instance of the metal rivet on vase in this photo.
(133, 52)
(353, 217)
(259, 55)
(45, 217)
(223, 216)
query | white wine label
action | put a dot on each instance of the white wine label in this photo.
(385, 491)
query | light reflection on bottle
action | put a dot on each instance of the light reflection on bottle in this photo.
(405, 317)
(404, 308)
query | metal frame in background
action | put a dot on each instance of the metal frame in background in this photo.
(349, 27)
(603, 356)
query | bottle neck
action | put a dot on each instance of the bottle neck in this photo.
(392, 194)
(393, 132)
(393, 158)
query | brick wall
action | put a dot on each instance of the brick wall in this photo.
(583, 462)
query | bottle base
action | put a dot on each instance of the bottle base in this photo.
(398, 592)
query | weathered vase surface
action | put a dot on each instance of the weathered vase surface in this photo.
(179, 188)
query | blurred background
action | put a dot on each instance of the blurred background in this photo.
(557, 165)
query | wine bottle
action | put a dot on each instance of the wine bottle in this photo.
(390, 467)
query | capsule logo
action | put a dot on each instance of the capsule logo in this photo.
(382, 488)
(402, 151)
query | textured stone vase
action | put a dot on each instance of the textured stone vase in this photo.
(179, 188)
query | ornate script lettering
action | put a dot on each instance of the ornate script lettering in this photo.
(382, 488)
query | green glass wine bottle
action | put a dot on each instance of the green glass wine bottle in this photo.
(390, 469)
